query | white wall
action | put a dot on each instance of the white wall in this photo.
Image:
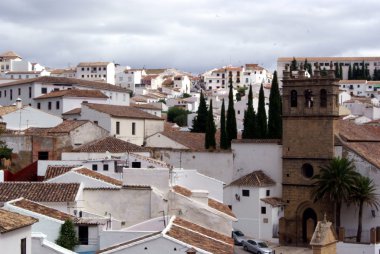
(158, 178)
(41, 245)
(104, 120)
(353, 248)
(88, 182)
(112, 237)
(160, 140)
(11, 242)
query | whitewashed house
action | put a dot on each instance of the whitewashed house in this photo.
(255, 74)
(126, 123)
(149, 108)
(219, 78)
(183, 83)
(26, 74)
(28, 89)
(63, 73)
(8, 60)
(96, 71)
(129, 78)
(15, 232)
(62, 101)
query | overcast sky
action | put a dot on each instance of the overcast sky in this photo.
(191, 35)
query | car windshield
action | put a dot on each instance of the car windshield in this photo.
(263, 245)
(239, 233)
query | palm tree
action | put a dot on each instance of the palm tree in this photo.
(364, 193)
(335, 182)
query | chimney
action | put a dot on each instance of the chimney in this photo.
(19, 103)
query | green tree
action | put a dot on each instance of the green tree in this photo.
(307, 67)
(275, 110)
(340, 71)
(231, 127)
(238, 97)
(350, 74)
(335, 183)
(293, 65)
(210, 129)
(67, 237)
(177, 115)
(262, 124)
(364, 193)
(199, 122)
(249, 122)
(186, 95)
(223, 133)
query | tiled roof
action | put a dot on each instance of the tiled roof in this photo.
(39, 191)
(93, 64)
(328, 59)
(41, 209)
(191, 140)
(145, 106)
(154, 71)
(190, 234)
(67, 126)
(68, 81)
(273, 201)
(98, 176)
(352, 81)
(122, 111)
(255, 179)
(10, 54)
(54, 171)
(10, 221)
(350, 131)
(211, 202)
(220, 207)
(110, 144)
(37, 131)
(74, 93)
(370, 151)
(75, 111)
(7, 109)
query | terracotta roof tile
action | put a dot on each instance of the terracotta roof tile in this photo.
(182, 190)
(352, 81)
(10, 221)
(350, 131)
(220, 207)
(74, 93)
(122, 111)
(328, 59)
(68, 81)
(192, 140)
(10, 54)
(93, 64)
(41, 209)
(67, 126)
(39, 191)
(199, 240)
(273, 201)
(110, 144)
(7, 109)
(75, 111)
(255, 179)
(98, 176)
(54, 171)
(145, 106)
(370, 151)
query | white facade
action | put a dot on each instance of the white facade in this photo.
(25, 74)
(10, 242)
(129, 78)
(361, 88)
(96, 71)
(182, 83)
(219, 79)
(27, 117)
(41, 245)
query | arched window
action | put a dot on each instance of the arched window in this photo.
(323, 98)
(293, 98)
(307, 170)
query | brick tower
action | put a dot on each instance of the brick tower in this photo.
(310, 111)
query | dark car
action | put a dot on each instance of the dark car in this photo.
(238, 237)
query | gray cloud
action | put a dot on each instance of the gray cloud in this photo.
(193, 35)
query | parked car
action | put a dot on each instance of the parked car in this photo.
(238, 237)
(257, 247)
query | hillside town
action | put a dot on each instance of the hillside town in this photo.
(102, 157)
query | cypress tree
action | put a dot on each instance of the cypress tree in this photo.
(261, 116)
(249, 118)
(275, 110)
(231, 127)
(294, 65)
(350, 76)
(308, 67)
(340, 71)
(223, 134)
(67, 237)
(210, 129)
(199, 122)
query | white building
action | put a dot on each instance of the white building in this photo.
(219, 78)
(64, 73)
(254, 74)
(25, 74)
(96, 71)
(129, 78)
(28, 89)
(183, 83)
(124, 122)
(15, 232)
(8, 60)
(361, 88)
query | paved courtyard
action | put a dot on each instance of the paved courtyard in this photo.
(280, 250)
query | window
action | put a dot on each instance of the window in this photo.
(43, 90)
(307, 170)
(238, 112)
(117, 127)
(323, 97)
(245, 193)
(263, 210)
(43, 156)
(268, 193)
(10, 94)
(105, 167)
(96, 122)
(136, 164)
(57, 104)
(293, 99)
(210, 81)
(23, 246)
(0, 94)
(5, 93)
(19, 91)
(82, 76)
(94, 167)
(30, 92)
(83, 235)
(49, 105)
(38, 105)
(358, 86)
(133, 128)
